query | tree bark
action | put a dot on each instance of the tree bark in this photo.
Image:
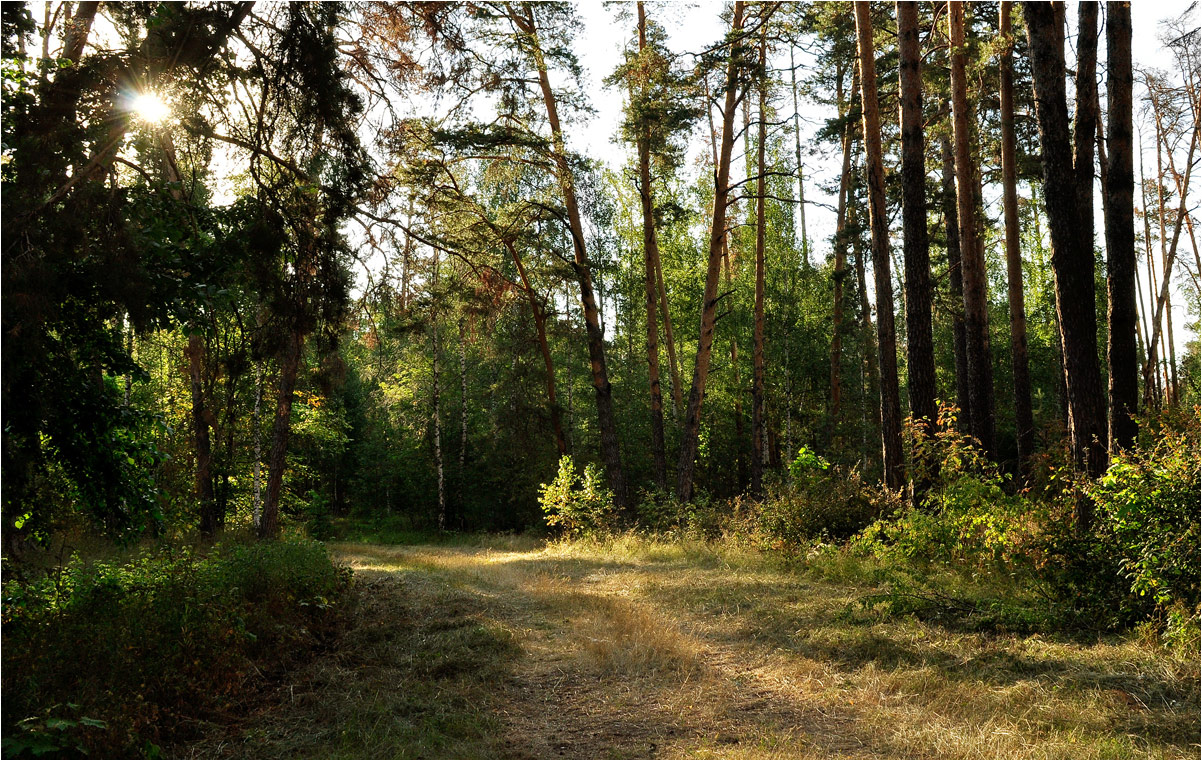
(976, 309)
(891, 442)
(1085, 117)
(1072, 253)
(540, 328)
(759, 436)
(951, 221)
(1020, 368)
(841, 236)
(200, 436)
(801, 184)
(257, 472)
(1122, 356)
(651, 285)
(690, 438)
(916, 252)
(436, 418)
(610, 449)
(269, 523)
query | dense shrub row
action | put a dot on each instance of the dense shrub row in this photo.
(1139, 562)
(105, 658)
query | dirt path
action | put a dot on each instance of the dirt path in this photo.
(670, 652)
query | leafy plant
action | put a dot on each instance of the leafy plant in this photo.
(578, 506)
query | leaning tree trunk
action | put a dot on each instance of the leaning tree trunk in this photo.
(1122, 355)
(540, 328)
(607, 425)
(891, 441)
(690, 439)
(759, 437)
(916, 252)
(651, 285)
(1020, 368)
(1072, 253)
(972, 262)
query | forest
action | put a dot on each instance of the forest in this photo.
(378, 375)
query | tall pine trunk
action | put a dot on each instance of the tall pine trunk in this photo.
(920, 350)
(1072, 252)
(955, 276)
(972, 260)
(1122, 355)
(891, 441)
(841, 235)
(690, 438)
(759, 437)
(651, 286)
(801, 184)
(436, 419)
(607, 425)
(1019, 364)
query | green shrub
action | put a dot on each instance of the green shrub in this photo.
(119, 658)
(822, 502)
(578, 506)
(966, 516)
(1148, 501)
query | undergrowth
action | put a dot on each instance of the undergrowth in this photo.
(106, 658)
(975, 550)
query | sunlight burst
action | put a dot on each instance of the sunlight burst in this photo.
(150, 107)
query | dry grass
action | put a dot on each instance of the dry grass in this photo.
(638, 648)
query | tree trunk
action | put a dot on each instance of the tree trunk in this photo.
(841, 236)
(920, 349)
(690, 438)
(1122, 356)
(1171, 351)
(1023, 423)
(1162, 298)
(976, 308)
(257, 472)
(870, 369)
(651, 286)
(606, 423)
(801, 184)
(1072, 253)
(759, 437)
(951, 220)
(673, 364)
(1085, 117)
(269, 523)
(436, 418)
(540, 327)
(462, 419)
(891, 441)
(200, 436)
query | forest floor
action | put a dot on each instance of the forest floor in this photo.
(641, 649)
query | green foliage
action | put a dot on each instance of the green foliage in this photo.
(135, 652)
(823, 501)
(1149, 502)
(578, 506)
